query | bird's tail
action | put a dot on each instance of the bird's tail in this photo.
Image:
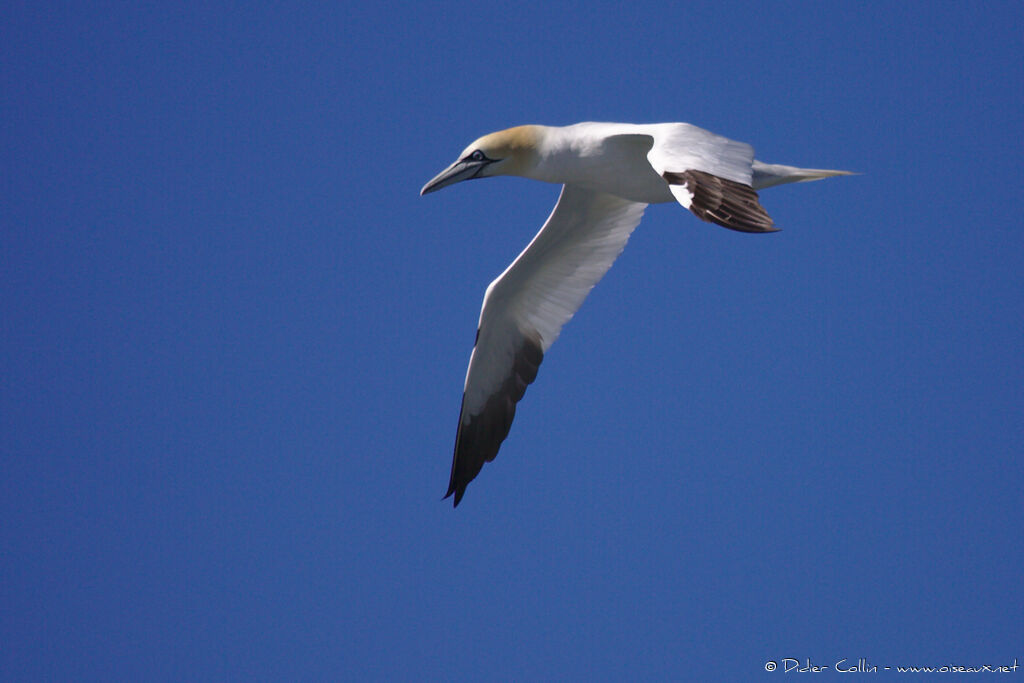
(767, 175)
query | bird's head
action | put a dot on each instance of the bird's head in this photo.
(508, 152)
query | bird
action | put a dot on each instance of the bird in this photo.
(609, 173)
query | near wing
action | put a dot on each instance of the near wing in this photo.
(523, 313)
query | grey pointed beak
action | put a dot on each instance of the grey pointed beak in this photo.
(463, 169)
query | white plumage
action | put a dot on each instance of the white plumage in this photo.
(610, 172)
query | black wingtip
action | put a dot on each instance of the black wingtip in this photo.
(458, 495)
(728, 203)
(480, 435)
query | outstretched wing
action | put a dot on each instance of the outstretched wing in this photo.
(524, 311)
(710, 175)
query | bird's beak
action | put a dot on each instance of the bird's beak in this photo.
(464, 169)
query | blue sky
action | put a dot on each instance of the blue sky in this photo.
(234, 341)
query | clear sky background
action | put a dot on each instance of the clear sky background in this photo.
(234, 340)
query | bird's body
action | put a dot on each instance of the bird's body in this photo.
(591, 156)
(610, 172)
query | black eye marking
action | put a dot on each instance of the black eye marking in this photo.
(478, 156)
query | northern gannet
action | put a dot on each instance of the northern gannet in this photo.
(609, 173)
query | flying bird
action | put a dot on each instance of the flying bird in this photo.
(609, 173)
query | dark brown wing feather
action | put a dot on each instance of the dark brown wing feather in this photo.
(725, 202)
(478, 440)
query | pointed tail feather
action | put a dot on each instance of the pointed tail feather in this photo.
(768, 175)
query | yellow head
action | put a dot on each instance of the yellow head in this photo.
(508, 152)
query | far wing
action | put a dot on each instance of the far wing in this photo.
(709, 174)
(682, 147)
(524, 311)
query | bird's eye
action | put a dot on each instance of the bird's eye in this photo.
(477, 156)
